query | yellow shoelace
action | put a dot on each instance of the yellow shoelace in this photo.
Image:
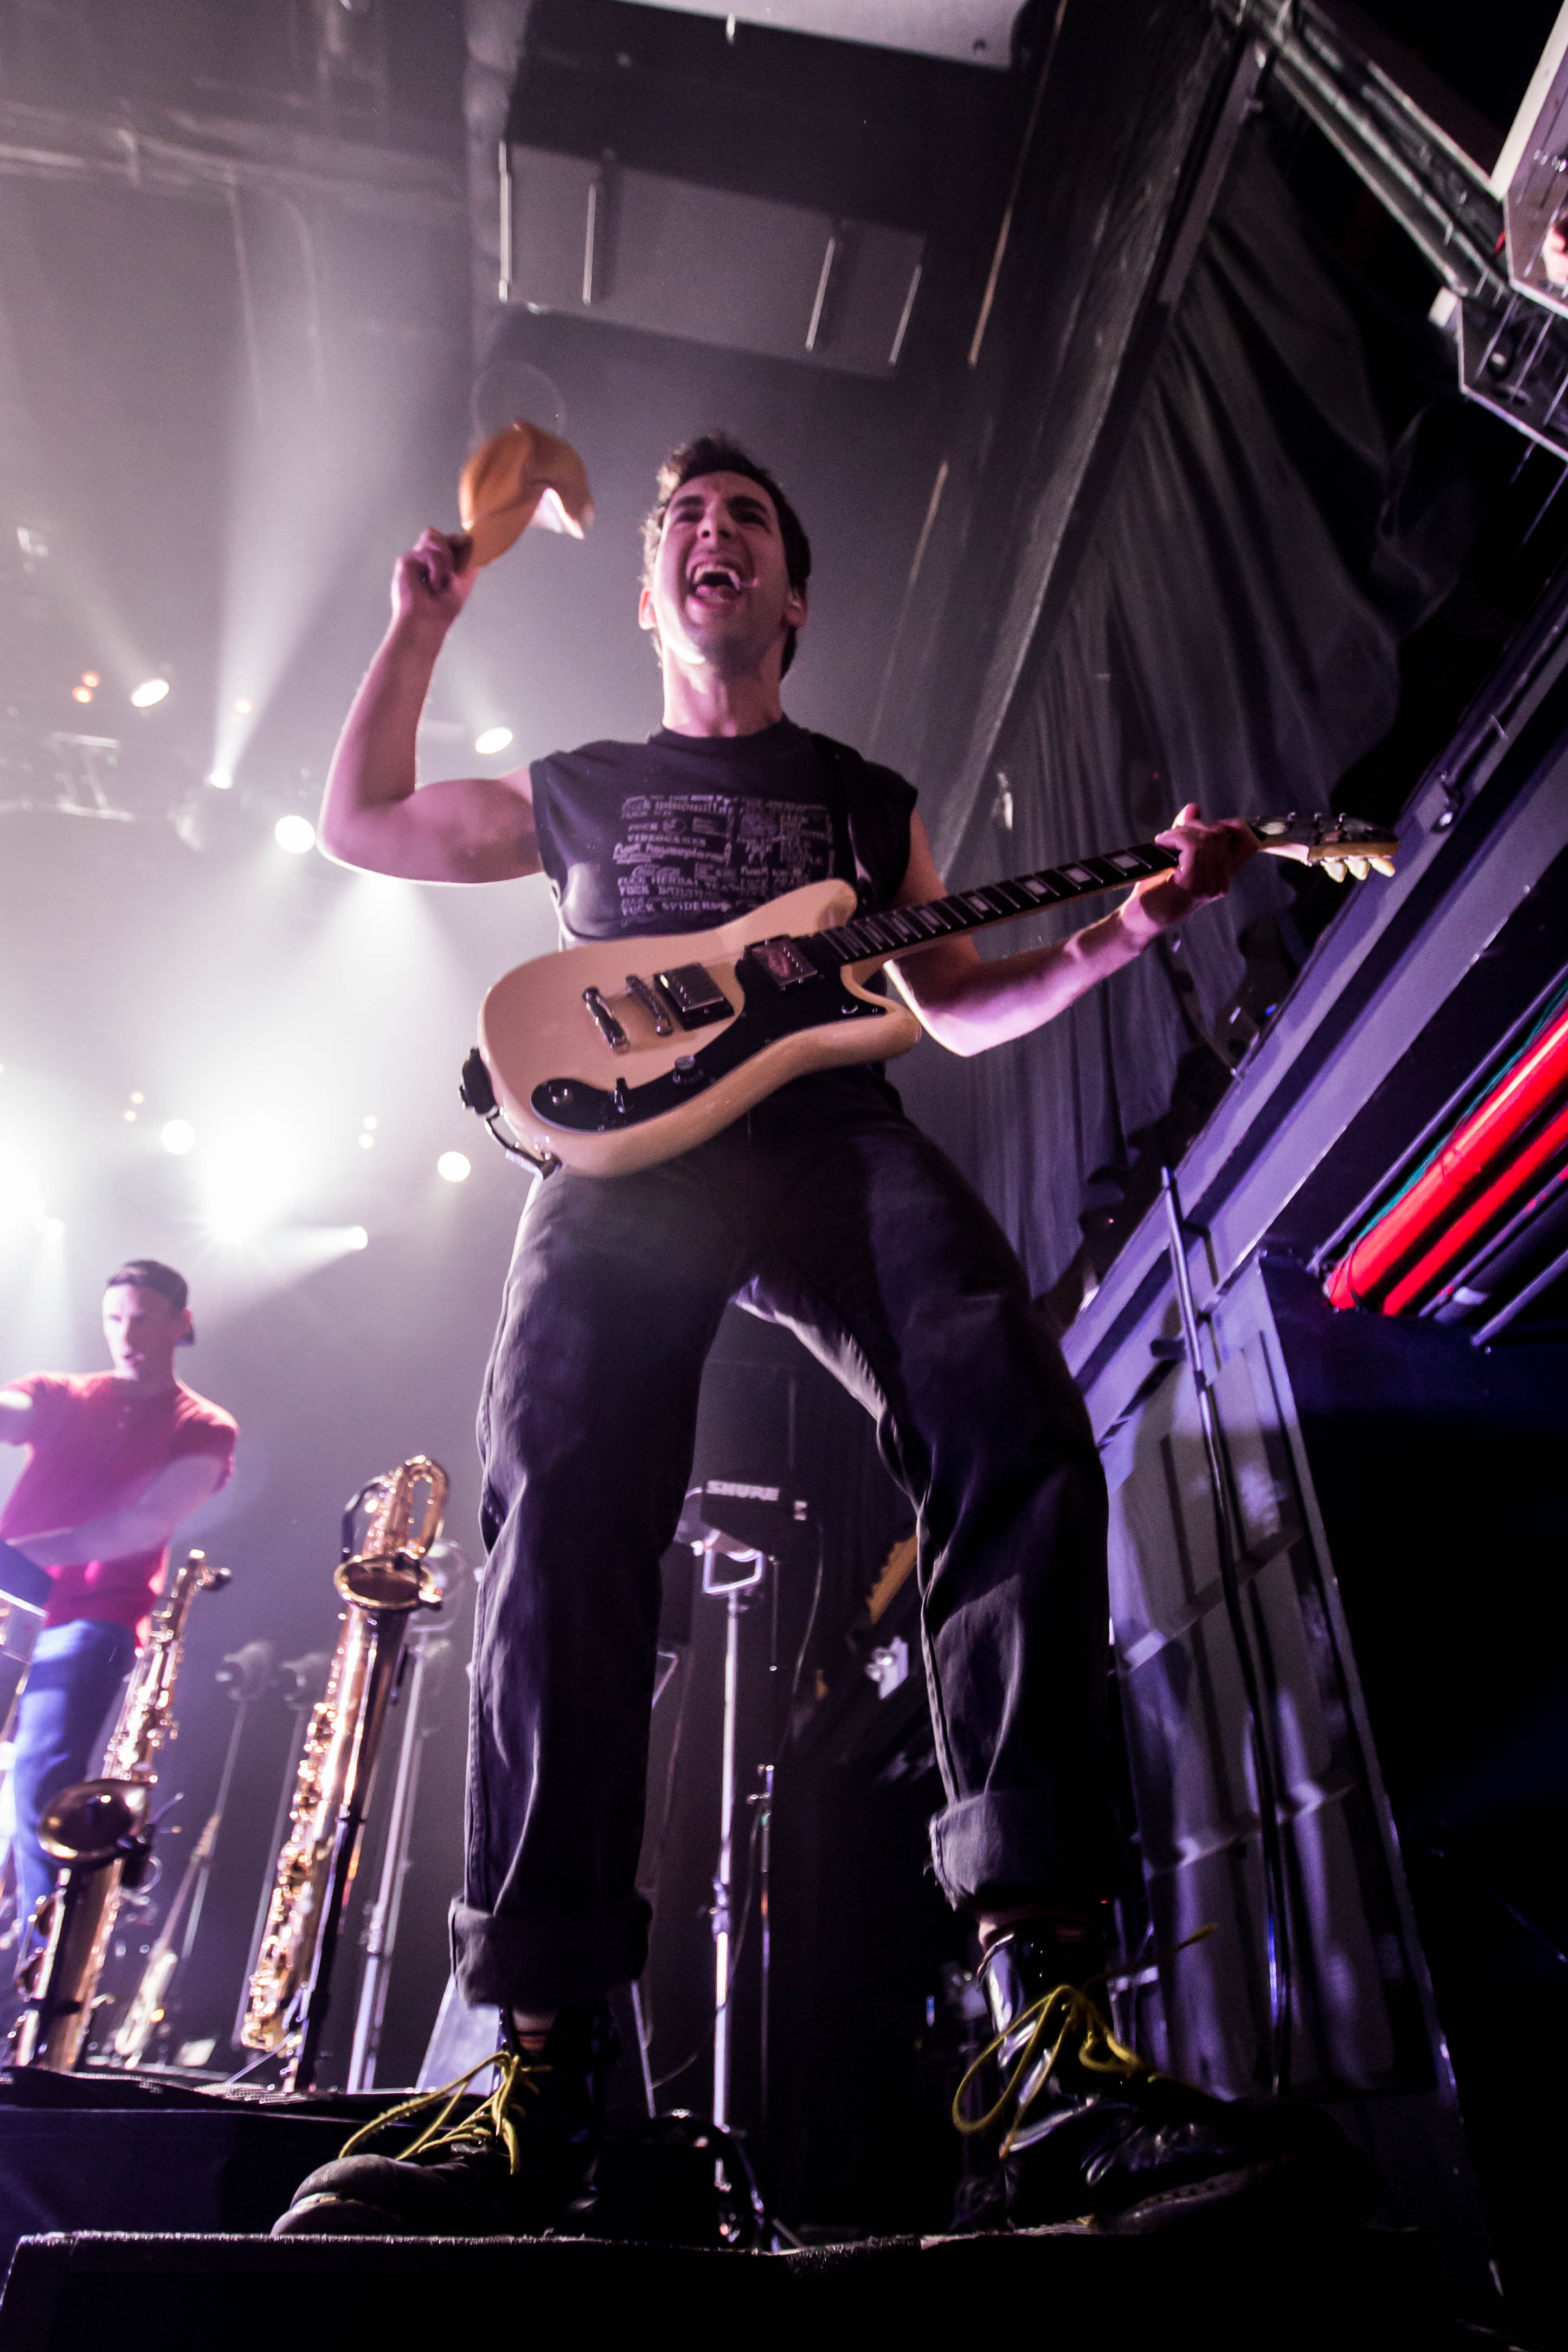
(519, 2074)
(1066, 2012)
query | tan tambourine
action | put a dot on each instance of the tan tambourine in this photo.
(519, 476)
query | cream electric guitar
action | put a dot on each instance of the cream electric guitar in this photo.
(615, 1055)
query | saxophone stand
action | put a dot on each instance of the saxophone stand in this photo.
(302, 1679)
(244, 1675)
(383, 1584)
(429, 1647)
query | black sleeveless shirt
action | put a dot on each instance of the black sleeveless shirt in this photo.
(685, 832)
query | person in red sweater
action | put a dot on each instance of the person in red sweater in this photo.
(115, 1461)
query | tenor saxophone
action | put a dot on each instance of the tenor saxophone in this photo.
(382, 1583)
(100, 1833)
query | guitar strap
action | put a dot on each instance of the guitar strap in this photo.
(841, 766)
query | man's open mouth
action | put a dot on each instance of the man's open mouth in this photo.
(717, 583)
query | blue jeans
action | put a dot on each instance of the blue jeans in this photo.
(72, 1683)
(827, 1211)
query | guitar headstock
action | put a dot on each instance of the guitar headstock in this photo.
(1345, 846)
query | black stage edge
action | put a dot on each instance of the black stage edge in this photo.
(1064, 2288)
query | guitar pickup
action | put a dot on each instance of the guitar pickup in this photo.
(784, 961)
(693, 995)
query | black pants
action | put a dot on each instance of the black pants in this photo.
(837, 1218)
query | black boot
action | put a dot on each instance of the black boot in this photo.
(521, 2163)
(1090, 2132)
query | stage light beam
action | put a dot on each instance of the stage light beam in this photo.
(151, 690)
(21, 1195)
(252, 1174)
(297, 834)
(494, 739)
(178, 1137)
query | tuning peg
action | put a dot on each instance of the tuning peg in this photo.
(1358, 867)
(1334, 867)
(1382, 865)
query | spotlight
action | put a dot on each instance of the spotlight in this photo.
(82, 693)
(494, 739)
(295, 833)
(137, 1098)
(370, 1119)
(151, 690)
(243, 705)
(178, 1137)
(358, 1237)
(221, 781)
(367, 1143)
(455, 1167)
(21, 1197)
(51, 1227)
(251, 1175)
(90, 677)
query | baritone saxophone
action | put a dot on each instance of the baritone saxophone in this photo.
(382, 1583)
(100, 1833)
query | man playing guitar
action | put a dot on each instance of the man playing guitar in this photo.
(825, 1209)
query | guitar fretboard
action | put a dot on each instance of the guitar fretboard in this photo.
(999, 902)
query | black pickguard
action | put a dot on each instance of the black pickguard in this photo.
(768, 1012)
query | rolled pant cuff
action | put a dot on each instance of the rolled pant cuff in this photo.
(547, 1963)
(1017, 1839)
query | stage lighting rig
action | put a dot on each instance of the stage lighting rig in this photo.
(1512, 353)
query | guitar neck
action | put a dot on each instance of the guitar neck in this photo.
(900, 928)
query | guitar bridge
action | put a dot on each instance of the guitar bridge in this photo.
(604, 1021)
(663, 1026)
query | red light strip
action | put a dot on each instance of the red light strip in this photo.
(1497, 1195)
(1409, 1230)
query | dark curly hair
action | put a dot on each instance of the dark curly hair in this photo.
(715, 453)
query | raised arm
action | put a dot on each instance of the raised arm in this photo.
(967, 1003)
(468, 829)
(16, 1417)
(169, 1496)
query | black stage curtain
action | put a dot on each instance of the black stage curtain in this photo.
(1232, 638)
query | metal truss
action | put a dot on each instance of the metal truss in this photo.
(1514, 352)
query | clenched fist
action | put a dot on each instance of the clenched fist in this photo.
(1210, 855)
(432, 583)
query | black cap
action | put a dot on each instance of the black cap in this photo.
(149, 1273)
